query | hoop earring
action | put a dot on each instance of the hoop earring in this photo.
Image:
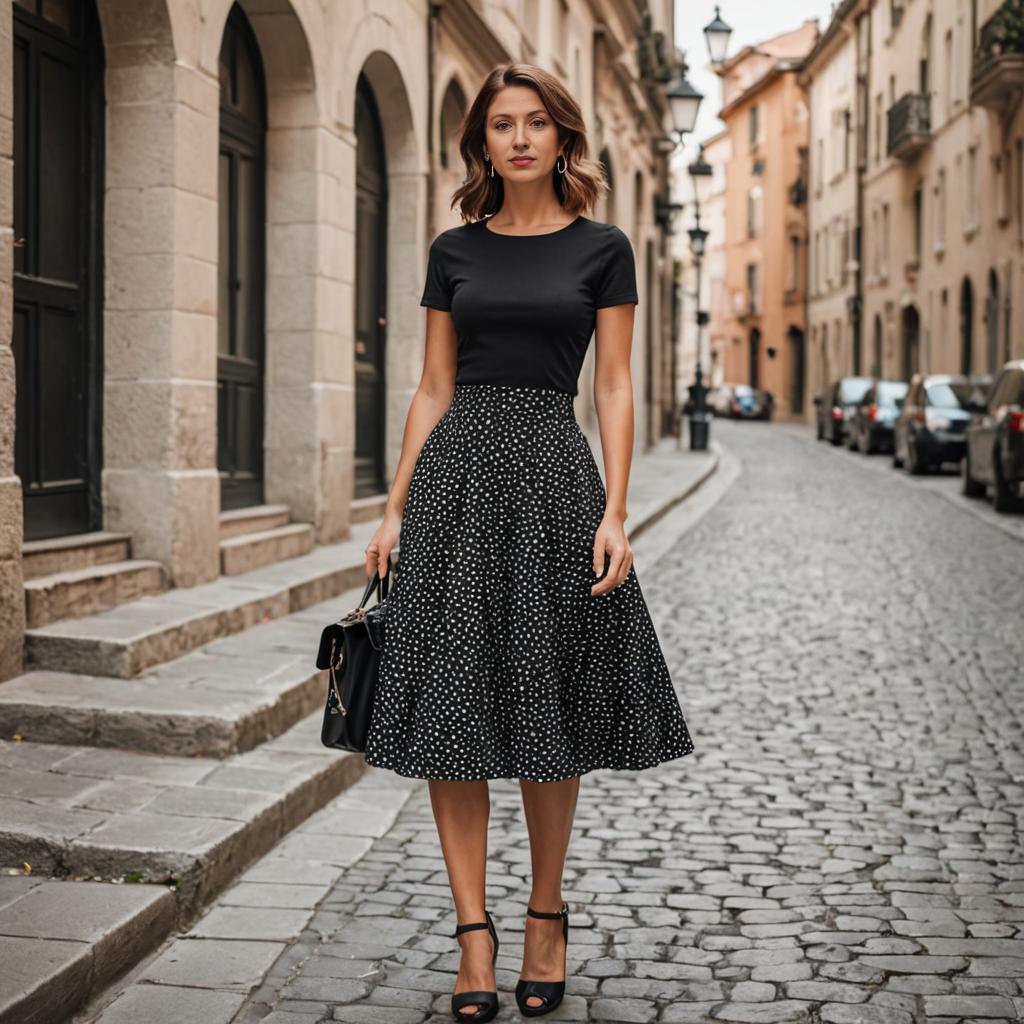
(564, 164)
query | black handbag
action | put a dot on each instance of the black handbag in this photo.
(350, 652)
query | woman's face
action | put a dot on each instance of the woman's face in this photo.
(521, 139)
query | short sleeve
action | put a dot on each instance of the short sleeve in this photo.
(617, 281)
(437, 289)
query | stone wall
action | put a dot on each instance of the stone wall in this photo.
(12, 602)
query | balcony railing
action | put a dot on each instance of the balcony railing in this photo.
(909, 126)
(997, 71)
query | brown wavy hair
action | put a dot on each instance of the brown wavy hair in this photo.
(584, 180)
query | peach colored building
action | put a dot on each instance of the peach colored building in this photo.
(760, 340)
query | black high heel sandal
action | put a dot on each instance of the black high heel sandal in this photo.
(550, 991)
(486, 1002)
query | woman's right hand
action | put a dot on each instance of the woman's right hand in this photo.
(383, 540)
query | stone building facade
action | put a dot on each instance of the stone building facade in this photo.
(829, 76)
(209, 300)
(760, 340)
(934, 106)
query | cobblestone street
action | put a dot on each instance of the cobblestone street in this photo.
(844, 844)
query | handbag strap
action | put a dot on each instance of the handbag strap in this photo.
(377, 581)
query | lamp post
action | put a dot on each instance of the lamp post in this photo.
(684, 105)
(700, 415)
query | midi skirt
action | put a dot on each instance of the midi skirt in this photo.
(497, 661)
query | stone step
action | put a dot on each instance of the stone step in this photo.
(252, 519)
(369, 508)
(73, 551)
(229, 696)
(75, 593)
(63, 941)
(207, 973)
(126, 641)
(250, 551)
(188, 822)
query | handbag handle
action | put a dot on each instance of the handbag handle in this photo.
(375, 582)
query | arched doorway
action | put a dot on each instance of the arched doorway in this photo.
(371, 294)
(754, 369)
(453, 110)
(797, 369)
(992, 323)
(966, 326)
(241, 266)
(876, 348)
(58, 288)
(911, 341)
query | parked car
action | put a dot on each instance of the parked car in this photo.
(931, 427)
(871, 427)
(994, 455)
(718, 399)
(741, 401)
(835, 407)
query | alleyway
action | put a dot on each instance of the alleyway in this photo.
(842, 846)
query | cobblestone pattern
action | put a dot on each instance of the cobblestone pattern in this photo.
(844, 845)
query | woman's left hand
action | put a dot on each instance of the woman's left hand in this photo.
(610, 539)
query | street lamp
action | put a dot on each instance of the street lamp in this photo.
(717, 34)
(698, 236)
(700, 417)
(683, 104)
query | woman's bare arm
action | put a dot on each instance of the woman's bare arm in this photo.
(429, 403)
(613, 399)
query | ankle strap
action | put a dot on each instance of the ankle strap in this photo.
(459, 929)
(564, 912)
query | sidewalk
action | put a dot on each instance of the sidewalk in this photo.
(659, 479)
(212, 760)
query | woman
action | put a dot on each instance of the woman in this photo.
(517, 643)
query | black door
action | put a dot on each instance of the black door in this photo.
(911, 341)
(371, 295)
(754, 368)
(240, 270)
(966, 326)
(798, 370)
(58, 157)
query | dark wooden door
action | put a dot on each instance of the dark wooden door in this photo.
(57, 339)
(241, 266)
(797, 370)
(371, 295)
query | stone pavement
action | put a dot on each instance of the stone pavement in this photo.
(843, 847)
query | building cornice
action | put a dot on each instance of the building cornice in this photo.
(838, 30)
(465, 22)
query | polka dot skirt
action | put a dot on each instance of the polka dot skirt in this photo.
(497, 661)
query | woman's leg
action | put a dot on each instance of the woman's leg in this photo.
(550, 809)
(461, 810)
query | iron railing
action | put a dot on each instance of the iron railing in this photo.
(909, 123)
(1001, 35)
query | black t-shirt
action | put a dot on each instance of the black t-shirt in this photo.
(524, 305)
